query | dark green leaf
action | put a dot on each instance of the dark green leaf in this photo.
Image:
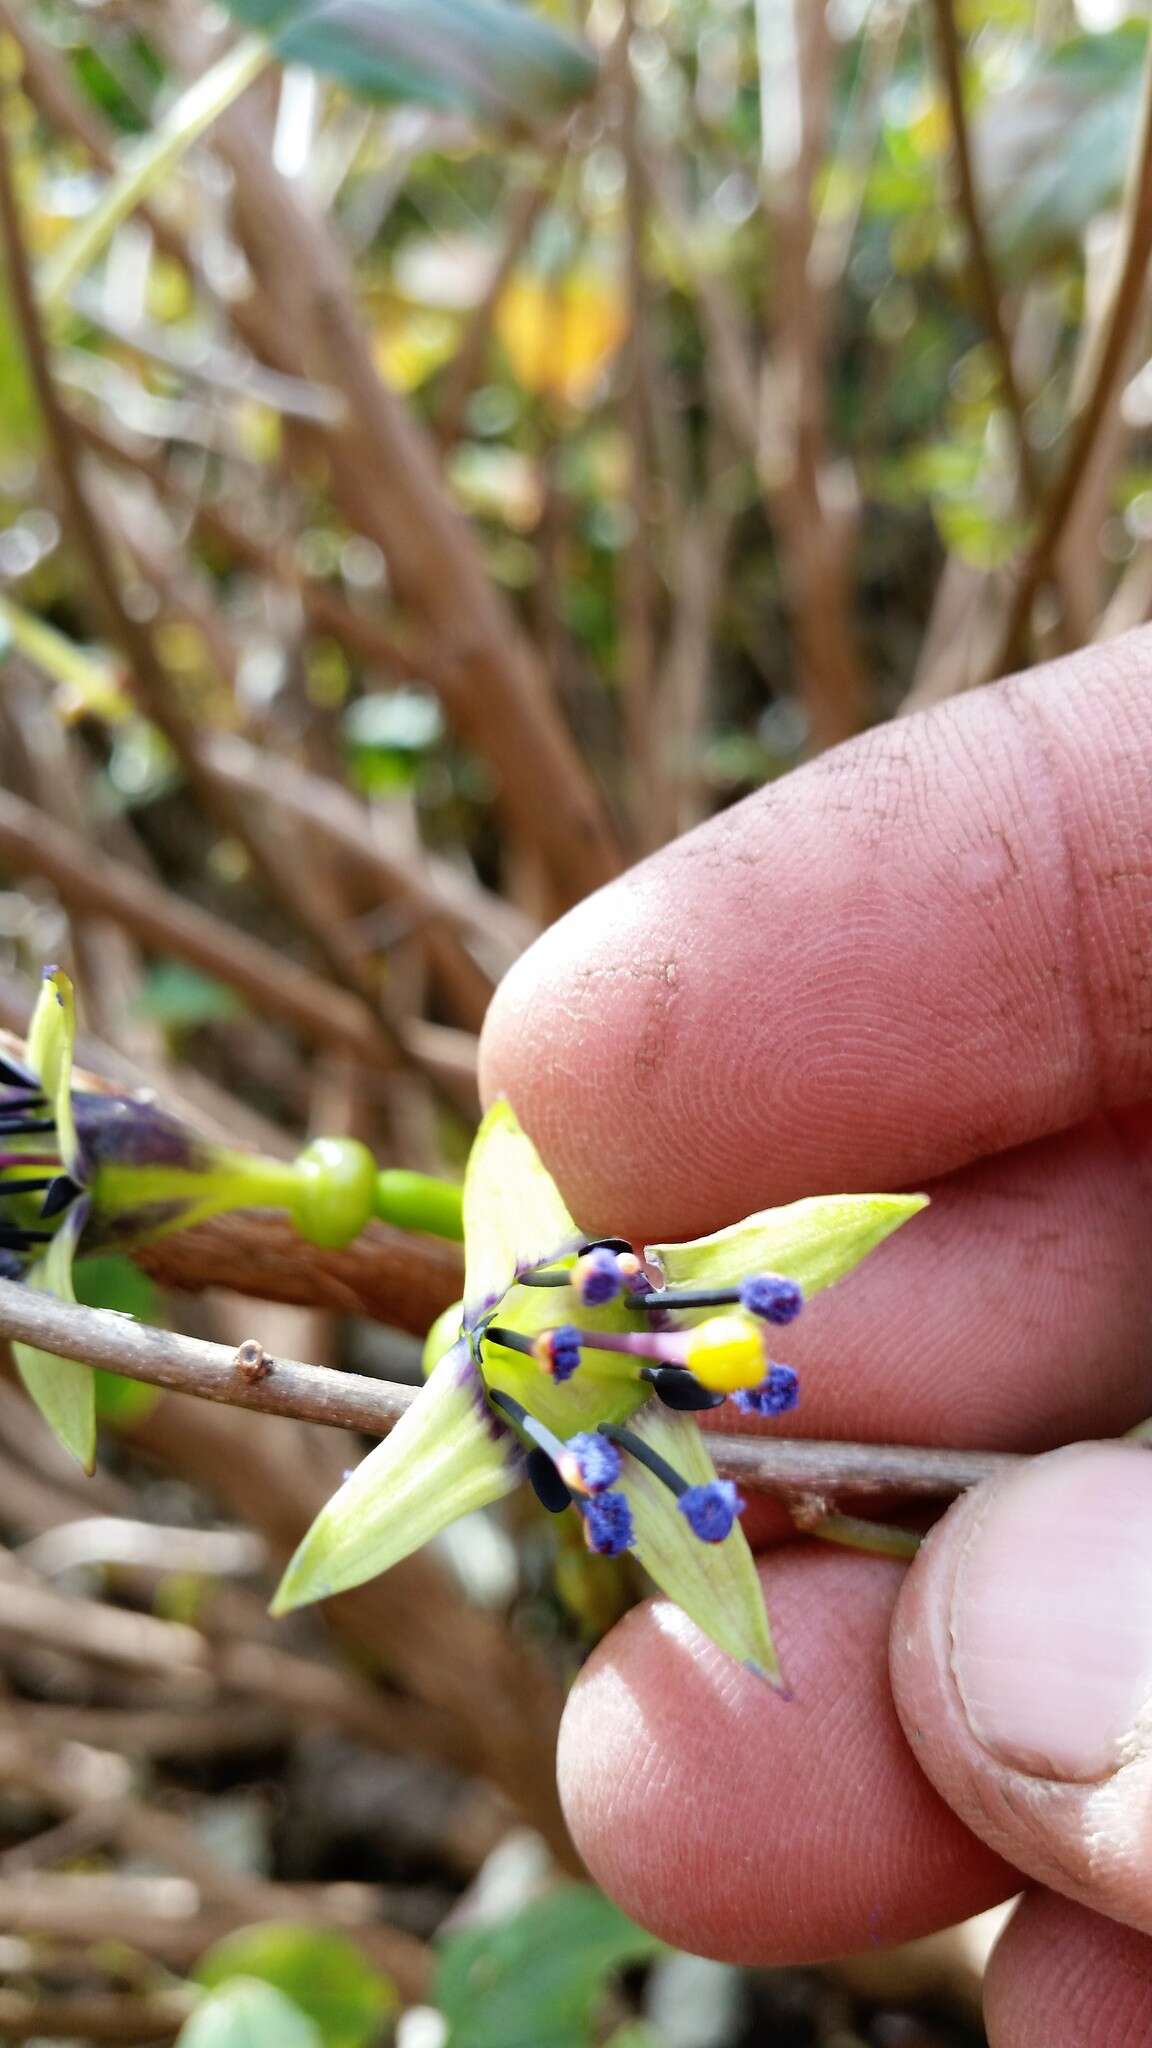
(534, 1981)
(488, 58)
(109, 1280)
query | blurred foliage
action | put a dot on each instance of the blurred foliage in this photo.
(534, 1981)
(323, 1974)
(585, 427)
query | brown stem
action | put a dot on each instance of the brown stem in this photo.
(312, 1393)
(1112, 340)
(811, 495)
(385, 478)
(464, 371)
(985, 282)
(387, 1275)
(150, 684)
(85, 879)
(93, 2015)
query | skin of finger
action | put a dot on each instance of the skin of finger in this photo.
(1061, 1977)
(756, 1827)
(1011, 1314)
(920, 949)
(1090, 1841)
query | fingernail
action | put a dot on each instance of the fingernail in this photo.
(1052, 1613)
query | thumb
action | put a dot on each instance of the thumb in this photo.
(1022, 1667)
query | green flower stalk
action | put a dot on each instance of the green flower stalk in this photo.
(579, 1363)
(86, 1170)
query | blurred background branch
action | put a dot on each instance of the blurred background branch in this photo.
(431, 475)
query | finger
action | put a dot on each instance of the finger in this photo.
(1022, 1667)
(925, 947)
(1061, 1977)
(1012, 1314)
(742, 1824)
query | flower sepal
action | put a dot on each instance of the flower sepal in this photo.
(814, 1242)
(715, 1582)
(446, 1456)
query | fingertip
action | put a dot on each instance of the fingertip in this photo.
(1062, 1977)
(1022, 1670)
(754, 1827)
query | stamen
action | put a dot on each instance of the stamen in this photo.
(546, 1482)
(679, 1389)
(26, 1187)
(777, 1392)
(767, 1295)
(61, 1191)
(709, 1509)
(16, 1121)
(608, 1525)
(15, 1076)
(771, 1297)
(601, 1273)
(512, 1341)
(590, 1464)
(586, 1464)
(12, 1239)
(544, 1276)
(557, 1351)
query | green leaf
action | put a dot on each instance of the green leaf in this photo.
(63, 1390)
(534, 1981)
(248, 2014)
(110, 1280)
(443, 1459)
(484, 58)
(514, 1214)
(181, 998)
(815, 1242)
(715, 1583)
(49, 1049)
(1053, 143)
(324, 1974)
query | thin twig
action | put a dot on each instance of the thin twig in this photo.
(985, 282)
(385, 478)
(312, 1393)
(390, 1276)
(1102, 375)
(811, 496)
(464, 371)
(93, 2015)
(150, 684)
(87, 880)
(168, 1918)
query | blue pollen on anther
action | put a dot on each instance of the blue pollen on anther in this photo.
(711, 1510)
(559, 1350)
(590, 1463)
(772, 1298)
(777, 1392)
(608, 1528)
(597, 1276)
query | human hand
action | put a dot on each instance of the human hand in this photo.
(924, 960)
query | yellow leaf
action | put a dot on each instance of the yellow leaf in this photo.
(410, 347)
(559, 333)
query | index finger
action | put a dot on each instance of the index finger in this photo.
(927, 946)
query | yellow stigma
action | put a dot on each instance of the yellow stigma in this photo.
(725, 1354)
